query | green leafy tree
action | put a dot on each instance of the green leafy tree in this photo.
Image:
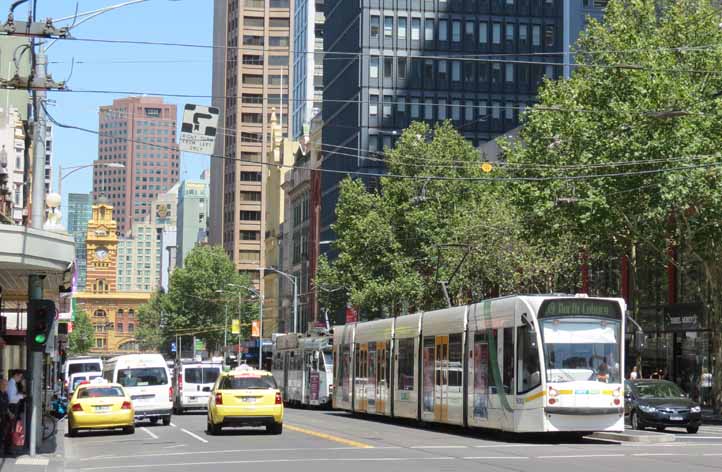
(82, 338)
(151, 332)
(445, 221)
(633, 138)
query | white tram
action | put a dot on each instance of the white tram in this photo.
(520, 363)
(303, 368)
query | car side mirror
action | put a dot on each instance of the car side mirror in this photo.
(206, 389)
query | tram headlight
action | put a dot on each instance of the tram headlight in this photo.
(617, 392)
(553, 393)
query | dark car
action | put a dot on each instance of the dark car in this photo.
(660, 404)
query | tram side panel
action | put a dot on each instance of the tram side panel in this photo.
(343, 347)
(406, 366)
(370, 343)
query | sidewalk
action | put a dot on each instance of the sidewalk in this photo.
(50, 456)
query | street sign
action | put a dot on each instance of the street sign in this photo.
(255, 328)
(200, 345)
(198, 131)
(236, 327)
(172, 347)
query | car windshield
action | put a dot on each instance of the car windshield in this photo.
(659, 390)
(98, 392)
(83, 367)
(239, 383)
(581, 349)
(142, 377)
(201, 375)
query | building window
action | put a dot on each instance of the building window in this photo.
(428, 109)
(549, 36)
(428, 71)
(442, 109)
(523, 38)
(509, 73)
(536, 35)
(401, 108)
(388, 27)
(468, 111)
(401, 71)
(278, 41)
(250, 235)
(131, 327)
(496, 73)
(401, 29)
(279, 23)
(249, 256)
(251, 196)
(249, 215)
(443, 72)
(429, 30)
(373, 105)
(375, 26)
(509, 33)
(456, 31)
(374, 67)
(495, 110)
(388, 67)
(253, 21)
(456, 71)
(469, 32)
(456, 110)
(415, 108)
(119, 327)
(250, 176)
(415, 29)
(443, 30)
(496, 33)
(252, 40)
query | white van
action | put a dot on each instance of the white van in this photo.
(76, 365)
(147, 380)
(76, 379)
(192, 384)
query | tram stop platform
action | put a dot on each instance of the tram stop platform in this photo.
(647, 437)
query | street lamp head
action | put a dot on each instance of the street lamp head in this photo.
(114, 165)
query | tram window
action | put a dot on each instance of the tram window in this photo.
(508, 376)
(528, 369)
(455, 357)
(406, 364)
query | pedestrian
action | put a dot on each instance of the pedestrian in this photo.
(634, 374)
(4, 417)
(15, 388)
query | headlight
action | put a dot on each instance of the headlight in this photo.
(647, 408)
(696, 409)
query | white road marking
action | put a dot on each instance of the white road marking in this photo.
(172, 447)
(494, 457)
(511, 445)
(648, 454)
(150, 433)
(172, 424)
(457, 446)
(267, 461)
(194, 435)
(579, 456)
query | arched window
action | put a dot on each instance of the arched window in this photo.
(131, 314)
(131, 327)
(119, 313)
(129, 346)
(100, 313)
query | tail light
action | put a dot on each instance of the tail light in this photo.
(279, 400)
(219, 398)
(170, 394)
(76, 407)
(180, 382)
(126, 406)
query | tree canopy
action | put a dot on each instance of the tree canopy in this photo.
(82, 338)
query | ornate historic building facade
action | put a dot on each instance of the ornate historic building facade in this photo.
(114, 314)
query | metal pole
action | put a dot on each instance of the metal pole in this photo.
(240, 314)
(225, 335)
(295, 304)
(260, 331)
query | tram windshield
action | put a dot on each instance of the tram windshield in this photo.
(328, 359)
(582, 349)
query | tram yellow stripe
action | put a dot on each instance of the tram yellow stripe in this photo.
(329, 437)
(607, 392)
(566, 392)
(535, 396)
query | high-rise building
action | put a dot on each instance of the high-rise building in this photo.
(411, 62)
(192, 213)
(79, 213)
(140, 133)
(139, 263)
(255, 81)
(308, 22)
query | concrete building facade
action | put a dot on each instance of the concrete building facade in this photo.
(12, 154)
(139, 259)
(79, 214)
(254, 77)
(140, 133)
(192, 213)
(308, 19)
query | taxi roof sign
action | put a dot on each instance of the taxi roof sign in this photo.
(98, 381)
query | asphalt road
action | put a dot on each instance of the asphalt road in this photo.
(325, 440)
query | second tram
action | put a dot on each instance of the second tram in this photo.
(303, 368)
(519, 363)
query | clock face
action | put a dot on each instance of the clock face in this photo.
(101, 253)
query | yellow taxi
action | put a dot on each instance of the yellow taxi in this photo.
(245, 397)
(100, 405)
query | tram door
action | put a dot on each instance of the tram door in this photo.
(371, 379)
(441, 379)
(361, 377)
(381, 378)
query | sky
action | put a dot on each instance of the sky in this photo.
(118, 67)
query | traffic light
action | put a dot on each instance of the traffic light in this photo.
(41, 314)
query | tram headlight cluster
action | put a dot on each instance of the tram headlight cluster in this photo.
(553, 393)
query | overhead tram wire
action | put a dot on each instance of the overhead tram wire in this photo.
(421, 177)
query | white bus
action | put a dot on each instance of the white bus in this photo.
(303, 368)
(521, 363)
(147, 380)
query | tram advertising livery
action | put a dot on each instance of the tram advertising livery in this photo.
(521, 364)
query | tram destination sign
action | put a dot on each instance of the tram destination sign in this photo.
(576, 307)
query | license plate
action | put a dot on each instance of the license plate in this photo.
(249, 399)
(676, 418)
(102, 408)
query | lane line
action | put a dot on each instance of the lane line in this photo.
(150, 433)
(329, 437)
(194, 435)
(579, 456)
(653, 454)
(494, 457)
(172, 424)
(458, 446)
(268, 461)
(510, 445)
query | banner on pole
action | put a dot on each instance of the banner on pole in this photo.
(236, 327)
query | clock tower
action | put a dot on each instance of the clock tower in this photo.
(102, 249)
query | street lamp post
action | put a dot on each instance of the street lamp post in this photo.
(73, 169)
(294, 280)
(225, 326)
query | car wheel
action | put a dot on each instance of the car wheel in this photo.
(660, 429)
(166, 420)
(72, 432)
(635, 421)
(129, 429)
(692, 429)
(154, 421)
(275, 428)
